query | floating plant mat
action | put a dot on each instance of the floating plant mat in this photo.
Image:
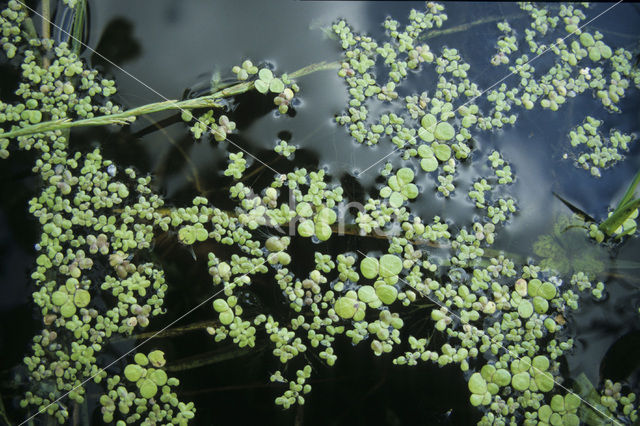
(319, 213)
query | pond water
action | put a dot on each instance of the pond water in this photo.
(175, 47)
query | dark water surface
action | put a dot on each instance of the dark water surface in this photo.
(174, 47)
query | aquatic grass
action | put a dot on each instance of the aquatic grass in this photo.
(621, 222)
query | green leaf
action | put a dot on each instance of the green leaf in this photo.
(81, 298)
(323, 231)
(387, 294)
(158, 377)
(410, 191)
(405, 175)
(628, 195)
(396, 199)
(148, 389)
(428, 122)
(618, 217)
(425, 151)
(133, 372)
(345, 308)
(265, 75)
(442, 151)
(276, 85)
(444, 131)
(521, 381)
(477, 384)
(306, 228)
(326, 215)
(261, 86)
(369, 267)
(157, 358)
(394, 183)
(390, 265)
(304, 209)
(429, 164)
(385, 192)
(367, 294)
(59, 298)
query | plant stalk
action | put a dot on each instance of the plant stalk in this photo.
(128, 116)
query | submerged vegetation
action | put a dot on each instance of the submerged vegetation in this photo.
(501, 320)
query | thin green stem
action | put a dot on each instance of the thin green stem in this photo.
(46, 27)
(78, 26)
(466, 27)
(171, 332)
(128, 116)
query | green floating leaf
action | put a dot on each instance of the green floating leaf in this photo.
(521, 381)
(323, 231)
(276, 85)
(81, 298)
(133, 372)
(444, 131)
(261, 86)
(386, 293)
(265, 75)
(345, 307)
(367, 294)
(369, 267)
(477, 384)
(396, 199)
(326, 215)
(306, 228)
(157, 358)
(405, 175)
(525, 309)
(429, 164)
(428, 122)
(442, 151)
(59, 298)
(148, 388)
(159, 377)
(390, 265)
(410, 191)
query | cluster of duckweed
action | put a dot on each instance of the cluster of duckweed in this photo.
(285, 149)
(91, 278)
(601, 152)
(583, 62)
(506, 45)
(617, 402)
(523, 309)
(504, 324)
(207, 123)
(284, 88)
(145, 394)
(63, 89)
(237, 165)
(94, 217)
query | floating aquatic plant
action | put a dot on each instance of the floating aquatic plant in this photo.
(602, 152)
(400, 188)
